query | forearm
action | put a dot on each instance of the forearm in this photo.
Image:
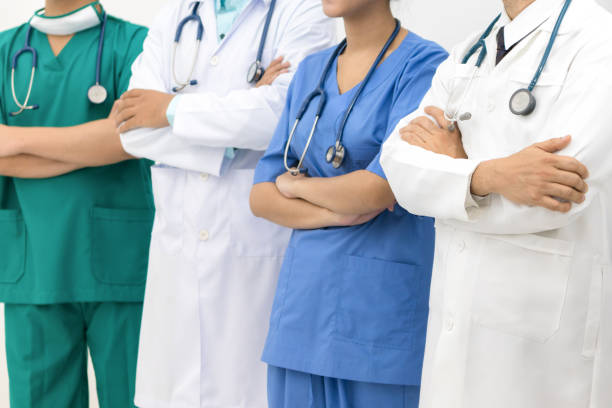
(27, 166)
(91, 144)
(267, 202)
(359, 192)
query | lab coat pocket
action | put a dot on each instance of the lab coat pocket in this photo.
(12, 246)
(524, 295)
(120, 245)
(591, 332)
(379, 301)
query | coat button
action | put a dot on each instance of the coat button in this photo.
(214, 61)
(204, 176)
(461, 246)
(450, 324)
(204, 235)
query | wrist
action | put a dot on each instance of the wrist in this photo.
(484, 178)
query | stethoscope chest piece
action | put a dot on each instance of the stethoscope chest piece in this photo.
(97, 94)
(522, 102)
(255, 73)
(335, 155)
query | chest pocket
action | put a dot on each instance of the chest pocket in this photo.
(525, 294)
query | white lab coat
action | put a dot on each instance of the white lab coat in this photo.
(521, 297)
(213, 266)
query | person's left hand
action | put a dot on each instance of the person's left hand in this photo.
(276, 68)
(435, 137)
(8, 144)
(286, 183)
(140, 108)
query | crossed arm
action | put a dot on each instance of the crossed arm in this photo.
(301, 202)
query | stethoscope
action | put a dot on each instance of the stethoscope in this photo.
(256, 70)
(336, 153)
(97, 93)
(522, 102)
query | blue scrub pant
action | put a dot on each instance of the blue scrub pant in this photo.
(294, 389)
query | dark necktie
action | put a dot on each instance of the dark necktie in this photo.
(501, 46)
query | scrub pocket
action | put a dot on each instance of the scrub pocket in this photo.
(12, 246)
(379, 301)
(120, 245)
(524, 295)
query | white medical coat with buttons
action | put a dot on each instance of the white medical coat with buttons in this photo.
(213, 265)
(521, 297)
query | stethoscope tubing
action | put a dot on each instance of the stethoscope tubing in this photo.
(319, 91)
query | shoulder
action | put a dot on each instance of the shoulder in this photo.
(125, 29)
(314, 63)
(8, 37)
(420, 51)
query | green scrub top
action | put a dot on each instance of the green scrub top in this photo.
(83, 236)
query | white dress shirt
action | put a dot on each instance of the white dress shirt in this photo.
(521, 297)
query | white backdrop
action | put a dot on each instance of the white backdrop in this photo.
(444, 21)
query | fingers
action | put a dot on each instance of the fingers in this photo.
(438, 115)
(276, 61)
(570, 164)
(125, 115)
(570, 179)
(554, 145)
(564, 193)
(410, 134)
(425, 123)
(554, 205)
(134, 93)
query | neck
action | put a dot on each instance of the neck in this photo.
(369, 28)
(516, 7)
(61, 7)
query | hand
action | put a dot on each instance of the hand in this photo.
(141, 108)
(9, 145)
(535, 176)
(276, 68)
(286, 184)
(344, 220)
(435, 137)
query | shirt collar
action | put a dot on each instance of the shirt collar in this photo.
(528, 20)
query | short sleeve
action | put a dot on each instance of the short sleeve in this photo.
(272, 163)
(412, 87)
(134, 42)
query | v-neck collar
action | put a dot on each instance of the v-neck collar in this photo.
(72, 47)
(387, 65)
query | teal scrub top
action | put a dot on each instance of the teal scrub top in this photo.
(83, 236)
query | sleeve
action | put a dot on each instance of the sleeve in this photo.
(435, 185)
(148, 72)
(272, 164)
(133, 50)
(413, 86)
(580, 111)
(202, 118)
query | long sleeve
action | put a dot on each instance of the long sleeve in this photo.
(426, 183)
(253, 113)
(150, 71)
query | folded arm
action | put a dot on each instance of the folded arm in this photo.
(27, 166)
(91, 144)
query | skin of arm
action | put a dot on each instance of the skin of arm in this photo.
(27, 166)
(358, 192)
(88, 145)
(267, 202)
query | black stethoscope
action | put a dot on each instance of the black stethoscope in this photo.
(97, 94)
(256, 70)
(336, 153)
(522, 102)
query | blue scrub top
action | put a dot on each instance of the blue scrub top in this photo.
(352, 302)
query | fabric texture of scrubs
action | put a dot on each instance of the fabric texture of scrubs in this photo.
(73, 248)
(521, 297)
(296, 389)
(47, 357)
(351, 302)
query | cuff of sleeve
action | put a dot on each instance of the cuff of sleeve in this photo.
(171, 111)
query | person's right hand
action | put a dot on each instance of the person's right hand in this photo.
(276, 68)
(535, 176)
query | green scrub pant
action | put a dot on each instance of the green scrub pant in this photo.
(46, 349)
